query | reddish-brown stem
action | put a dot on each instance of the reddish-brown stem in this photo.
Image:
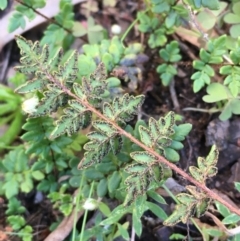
(161, 159)
(42, 15)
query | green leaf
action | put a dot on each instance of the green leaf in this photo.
(213, 4)
(146, 136)
(104, 209)
(3, 4)
(69, 69)
(114, 181)
(157, 197)
(26, 233)
(180, 212)
(37, 175)
(14, 207)
(159, 212)
(212, 157)
(186, 199)
(102, 187)
(30, 86)
(116, 214)
(171, 155)
(197, 174)
(234, 30)
(16, 21)
(78, 29)
(237, 186)
(75, 118)
(137, 224)
(105, 128)
(231, 18)
(143, 157)
(16, 222)
(93, 175)
(135, 168)
(171, 19)
(216, 92)
(213, 232)
(123, 231)
(230, 219)
(116, 144)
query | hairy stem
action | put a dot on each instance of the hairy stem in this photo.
(160, 159)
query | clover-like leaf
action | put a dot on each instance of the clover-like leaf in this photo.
(216, 92)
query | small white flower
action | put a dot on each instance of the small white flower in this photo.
(116, 29)
(29, 106)
(90, 204)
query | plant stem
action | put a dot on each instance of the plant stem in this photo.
(77, 208)
(85, 214)
(159, 158)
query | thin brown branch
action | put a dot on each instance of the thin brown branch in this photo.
(42, 15)
(161, 159)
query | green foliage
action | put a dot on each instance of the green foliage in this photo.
(197, 202)
(62, 201)
(116, 59)
(14, 207)
(94, 32)
(159, 26)
(58, 35)
(218, 92)
(213, 5)
(77, 91)
(3, 4)
(170, 55)
(19, 224)
(18, 175)
(107, 153)
(162, 17)
(213, 55)
(24, 11)
(228, 92)
(10, 114)
(234, 19)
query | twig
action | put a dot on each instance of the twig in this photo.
(174, 96)
(5, 65)
(194, 23)
(51, 9)
(44, 16)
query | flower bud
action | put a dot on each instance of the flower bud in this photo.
(90, 204)
(29, 106)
